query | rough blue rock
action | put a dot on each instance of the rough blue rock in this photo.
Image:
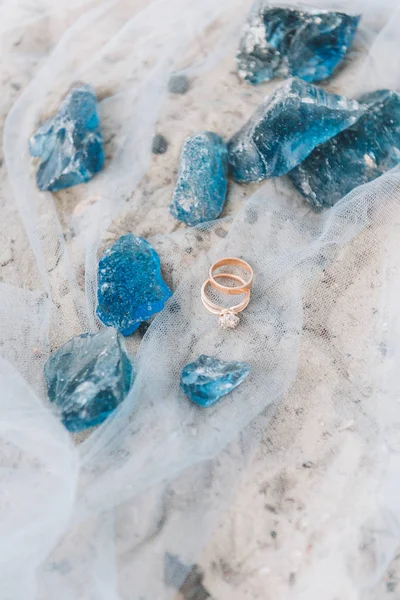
(88, 377)
(285, 129)
(207, 379)
(70, 144)
(130, 286)
(355, 156)
(200, 191)
(286, 42)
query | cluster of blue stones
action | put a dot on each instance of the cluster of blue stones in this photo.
(286, 128)
(327, 144)
(355, 156)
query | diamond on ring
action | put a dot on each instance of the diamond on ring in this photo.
(228, 320)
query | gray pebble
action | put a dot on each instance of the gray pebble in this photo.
(159, 144)
(178, 84)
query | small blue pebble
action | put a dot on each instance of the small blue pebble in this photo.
(70, 144)
(207, 379)
(130, 286)
(200, 191)
(88, 377)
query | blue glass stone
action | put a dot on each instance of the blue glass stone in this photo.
(88, 377)
(286, 42)
(200, 191)
(70, 144)
(285, 129)
(130, 286)
(207, 379)
(355, 156)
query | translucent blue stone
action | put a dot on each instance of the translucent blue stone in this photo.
(358, 155)
(200, 191)
(207, 379)
(70, 144)
(130, 286)
(285, 129)
(88, 377)
(285, 42)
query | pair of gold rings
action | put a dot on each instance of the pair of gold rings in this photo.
(228, 317)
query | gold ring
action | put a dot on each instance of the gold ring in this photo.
(238, 262)
(228, 318)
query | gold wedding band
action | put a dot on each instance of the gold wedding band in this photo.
(237, 262)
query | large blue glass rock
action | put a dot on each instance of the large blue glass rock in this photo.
(130, 286)
(70, 144)
(88, 377)
(200, 191)
(286, 42)
(358, 155)
(207, 379)
(286, 128)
